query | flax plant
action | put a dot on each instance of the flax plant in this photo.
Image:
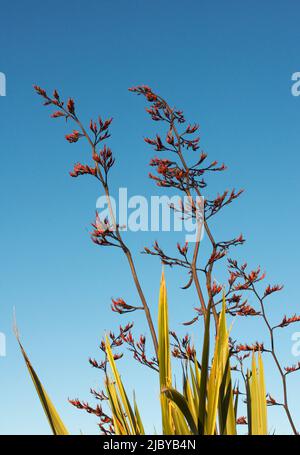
(207, 403)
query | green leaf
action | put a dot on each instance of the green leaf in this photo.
(182, 404)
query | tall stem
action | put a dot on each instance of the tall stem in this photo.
(199, 230)
(123, 245)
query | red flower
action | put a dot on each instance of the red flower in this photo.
(151, 97)
(241, 421)
(247, 310)
(121, 307)
(216, 288)
(183, 249)
(40, 91)
(191, 129)
(287, 321)
(254, 347)
(150, 141)
(270, 289)
(57, 114)
(56, 95)
(80, 169)
(292, 368)
(93, 127)
(73, 137)
(170, 138)
(271, 401)
(106, 124)
(71, 106)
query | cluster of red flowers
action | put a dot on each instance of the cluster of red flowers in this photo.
(243, 310)
(241, 421)
(248, 278)
(271, 401)
(167, 260)
(104, 233)
(292, 368)
(99, 129)
(182, 348)
(158, 110)
(80, 169)
(253, 347)
(116, 342)
(138, 348)
(68, 111)
(287, 321)
(270, 289)
(73, 137)
(221, 249)
(121, 307)
(212, 207)
(106, 424)
(216, 289)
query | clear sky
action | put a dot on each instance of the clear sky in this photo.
(229, 66)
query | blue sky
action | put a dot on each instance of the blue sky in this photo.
(229, 66)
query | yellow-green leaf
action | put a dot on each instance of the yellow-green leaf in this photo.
(164, 356)
(123, 396)
(56, 424)
(262, 390)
